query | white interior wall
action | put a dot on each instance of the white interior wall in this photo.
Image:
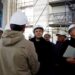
(38, 9)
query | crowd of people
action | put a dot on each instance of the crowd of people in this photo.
(36, 56)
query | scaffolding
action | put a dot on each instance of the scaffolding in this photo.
(62, 19)
(56, 20)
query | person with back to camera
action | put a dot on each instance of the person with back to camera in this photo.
(17, 55)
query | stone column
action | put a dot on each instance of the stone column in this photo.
(9, 7)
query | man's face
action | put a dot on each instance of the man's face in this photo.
(47, 37)
(72, 33)
(38, 33)
(61, 38)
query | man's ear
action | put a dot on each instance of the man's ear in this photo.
(23, 28)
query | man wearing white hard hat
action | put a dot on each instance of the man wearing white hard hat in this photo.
(38, 27)
(47, 37)
(71, 27)
(68, 53)
(61, 36)
(17, 55)
(44, 50)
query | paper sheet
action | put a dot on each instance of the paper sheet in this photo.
(70, 52)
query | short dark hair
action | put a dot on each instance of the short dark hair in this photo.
(17, 27)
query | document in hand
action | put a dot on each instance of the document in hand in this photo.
(70, 52)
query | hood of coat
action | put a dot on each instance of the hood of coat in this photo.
(11, 37)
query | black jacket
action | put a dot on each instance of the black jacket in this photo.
(60, 48)
(64, 46)
(65, 67)
(45, 53)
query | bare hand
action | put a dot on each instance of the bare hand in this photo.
(71, 60)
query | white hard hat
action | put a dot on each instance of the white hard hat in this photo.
(19, 18)
(71, 26)
(61, 33)
(38, 26)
